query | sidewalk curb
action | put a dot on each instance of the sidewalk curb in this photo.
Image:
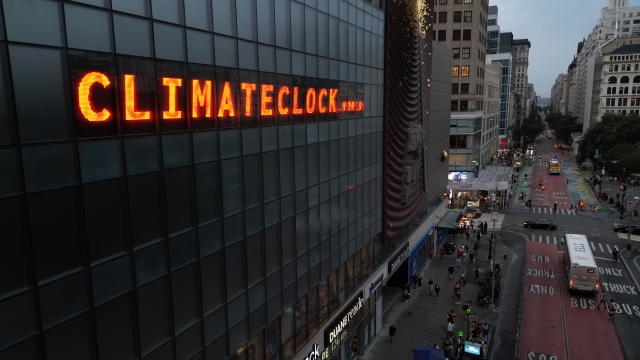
(635, 281)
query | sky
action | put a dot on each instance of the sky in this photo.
(554, 28)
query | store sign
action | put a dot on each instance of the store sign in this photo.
(374, 284)
(402, 255)
(314, 354)
(338, 331)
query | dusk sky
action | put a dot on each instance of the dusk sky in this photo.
(554, 28)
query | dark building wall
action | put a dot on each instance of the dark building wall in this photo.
(439, 128)
(407, 100)
(177, 240)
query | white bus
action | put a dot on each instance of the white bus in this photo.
(580, 266)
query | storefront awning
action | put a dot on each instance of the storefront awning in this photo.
(491, 178)
(449, 220)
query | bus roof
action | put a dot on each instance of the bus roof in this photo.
(579, 250)
(554, 161)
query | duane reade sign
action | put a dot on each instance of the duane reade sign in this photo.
(402, 255)
(338, 330)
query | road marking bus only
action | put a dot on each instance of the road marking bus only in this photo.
(591, 305)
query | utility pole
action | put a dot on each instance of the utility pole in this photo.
(492, 247)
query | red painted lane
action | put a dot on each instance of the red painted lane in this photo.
(583, 322)
(556, 187)
(542, 328)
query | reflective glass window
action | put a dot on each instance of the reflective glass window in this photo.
(137, 7)
(246, 19)
(49, 166)
(198, 14)
(133, 35)
(226, 51)
(224, 17)
(266, 22)
(154, 315)
(169, 42)
(38, 22)
(88, 28)
(283, 23)
(168, 10)
(200, 47)
(48, 68)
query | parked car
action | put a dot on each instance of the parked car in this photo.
(635, 230)
(540, 224)
(473, 210)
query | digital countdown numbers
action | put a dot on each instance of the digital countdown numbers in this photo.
(144, 97)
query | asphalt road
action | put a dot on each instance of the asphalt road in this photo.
(602, 239)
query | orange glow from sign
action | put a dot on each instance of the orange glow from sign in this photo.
(321, 108)
(201, 97)
(84, 99)
(248, 88)
(265, 100)
(226, 101)
(333, 93)
(172, 113)
(282, 110)
(130, 100)
(296, 110)
(311, 101)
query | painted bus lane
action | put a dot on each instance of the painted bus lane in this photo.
(583, 320)
(542, 319)
(549, 189)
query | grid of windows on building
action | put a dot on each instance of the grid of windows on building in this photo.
(183, 235)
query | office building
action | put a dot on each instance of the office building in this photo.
(461, 26)
(204, 179)
(505, 59)
(493, 31)
(490, 120)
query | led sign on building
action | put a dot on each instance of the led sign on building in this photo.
(132, 95)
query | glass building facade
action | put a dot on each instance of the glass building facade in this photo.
(145, 217)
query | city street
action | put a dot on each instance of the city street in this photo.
(618, 280)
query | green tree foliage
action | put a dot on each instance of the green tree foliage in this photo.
(615, 136)
(528, 129)
(563, 126)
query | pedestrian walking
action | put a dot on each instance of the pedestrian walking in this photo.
(437, 290)
(468, 234)
(477, 273)
(408, 288)
(572, 210)
(458, 264)
(414, 279)
(450, 327)
(441, 255)
(472, 260)
(462, 280)
(392, 331)
(457, 294)
(603, 299)
(478, 236)
(464, 256)
(451, 271)
(430, 286)
(474, 320)
(615, 254)
(612, 309)
(431, 251)
(555, 207)
(419, 280)
(405, 294)
(485, 227)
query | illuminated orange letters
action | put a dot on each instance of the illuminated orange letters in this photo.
(248, 88)
(130, 100)
(321, 108)
(296, 110)
(172, 113)
(265, 100)
(84, 99)
(311, 101)
(201, 97)
(226, 101)
(282, 110)
(333, 93)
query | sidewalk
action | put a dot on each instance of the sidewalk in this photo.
(522, 186)
(423, 320)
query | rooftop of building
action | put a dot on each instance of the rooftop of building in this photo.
(626, 49)
(493, 10)
(517, 42)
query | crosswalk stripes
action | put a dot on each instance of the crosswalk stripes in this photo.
(596, 247)
(548, 210)
(623, 235)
